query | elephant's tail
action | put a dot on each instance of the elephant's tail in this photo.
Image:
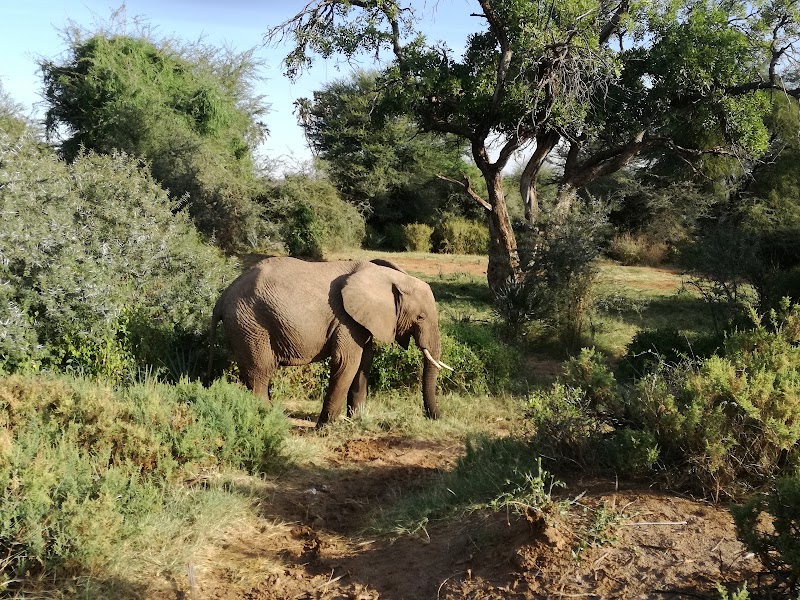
(216, 316)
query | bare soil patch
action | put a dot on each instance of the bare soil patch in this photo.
(311, 543)
(311, 540)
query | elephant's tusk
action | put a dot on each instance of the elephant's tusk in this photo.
(439, 365)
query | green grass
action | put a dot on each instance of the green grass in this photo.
(202, 444)
(630, 299)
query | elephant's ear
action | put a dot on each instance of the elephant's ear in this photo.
(382, 262)
(369, 297)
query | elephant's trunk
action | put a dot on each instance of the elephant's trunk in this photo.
(429, 374)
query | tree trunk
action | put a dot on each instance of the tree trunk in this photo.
(503, 256)
(527, 182)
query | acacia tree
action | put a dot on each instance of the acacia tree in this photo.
(603, 81)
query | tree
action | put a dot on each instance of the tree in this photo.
(600, 81)
(378, 161)
(188, 110)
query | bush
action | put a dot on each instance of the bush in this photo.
(396, 368)
(719, 425)
(82, 466)
(630, 249)
(417, 237)
(777, 546)
(650, 348)
(312, 217)
(187, 109)
(499, 360)
(99, 275)
(558, 263)
(589, 372)
(456, 235)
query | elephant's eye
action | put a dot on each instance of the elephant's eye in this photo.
(420, 317)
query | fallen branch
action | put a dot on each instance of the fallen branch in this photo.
(647, 523)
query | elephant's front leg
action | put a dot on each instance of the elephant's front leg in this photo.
(358, 390)
(343, 372)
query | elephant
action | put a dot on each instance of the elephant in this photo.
(287, 312)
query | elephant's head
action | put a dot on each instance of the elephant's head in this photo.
(394, 306)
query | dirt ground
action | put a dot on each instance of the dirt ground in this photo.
(311, 545)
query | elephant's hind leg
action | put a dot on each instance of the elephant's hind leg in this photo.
(343, 372)
(256, 362)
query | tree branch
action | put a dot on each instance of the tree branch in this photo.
(612, 26)
(497, 27)
(466, 185)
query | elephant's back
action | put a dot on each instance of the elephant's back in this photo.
(300, 291)
(288, 272)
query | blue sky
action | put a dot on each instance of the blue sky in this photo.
(30, 29)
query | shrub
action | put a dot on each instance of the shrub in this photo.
(722, 264)
(457, 235)
(499, 360)
(719, 425)
(417, 237)
(496, 473)
(589, 372)
(650, 348)
(732, 421)
(558, 262)
(778, 546)
(304, 233)
(187, 109)
(99, 274)
(630, 249)
(82, 465)
(312, 217)
(396, 368)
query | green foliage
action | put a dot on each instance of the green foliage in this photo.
(417, 237)
(189, 111)
(651, 348)
(456, 235)
(499, 359)
(380, 162)
(304, 233)
(590, 372)
(631, 249)
(83, 466)
(666, 81)
(99, 275)
(559, 271)
(396, 368)
(12, 123)
(778, 545)
(719, 425)
(311, 217)
(740, 594)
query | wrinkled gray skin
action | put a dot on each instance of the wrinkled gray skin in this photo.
(287, 312)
